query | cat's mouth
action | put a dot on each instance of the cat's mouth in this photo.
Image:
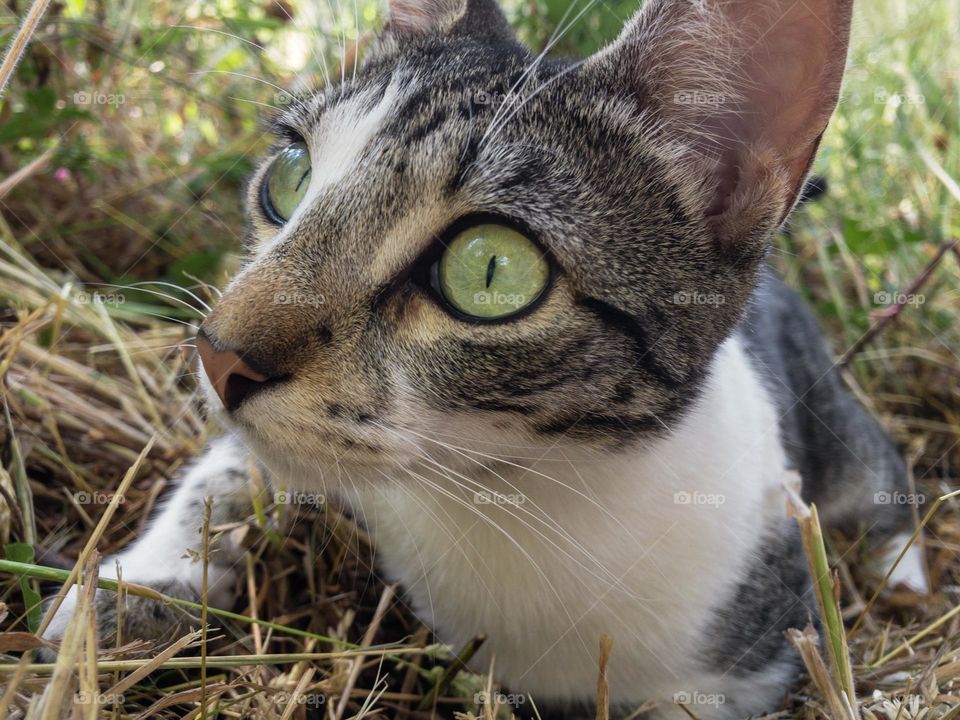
(303, 438)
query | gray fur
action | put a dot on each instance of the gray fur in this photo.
(846, 460)
(846, 463)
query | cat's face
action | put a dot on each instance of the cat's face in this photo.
(469, 245)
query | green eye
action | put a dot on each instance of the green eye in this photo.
(286, 183)
(490, 272)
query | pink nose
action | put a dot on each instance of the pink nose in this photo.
(232, 378)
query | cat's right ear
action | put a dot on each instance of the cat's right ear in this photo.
(740, 92)
(410, 19)
(407, 18)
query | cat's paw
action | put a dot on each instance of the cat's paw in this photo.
(140, 618)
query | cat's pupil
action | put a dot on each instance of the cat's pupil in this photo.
(491, 269)
(303, 177)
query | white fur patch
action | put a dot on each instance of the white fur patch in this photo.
(153, 558)
(343, 135)
(643, 547)
(911, 572)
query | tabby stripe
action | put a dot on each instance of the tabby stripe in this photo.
(632, 327)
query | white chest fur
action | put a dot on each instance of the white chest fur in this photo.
(641, 546)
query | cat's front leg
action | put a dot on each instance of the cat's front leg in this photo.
(167, 556)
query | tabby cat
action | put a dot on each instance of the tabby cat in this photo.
(512, 312)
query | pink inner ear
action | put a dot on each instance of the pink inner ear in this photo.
(800, 73)
(746, 85)
(790, 82)
(726, 179)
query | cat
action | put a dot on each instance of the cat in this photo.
(513, 312)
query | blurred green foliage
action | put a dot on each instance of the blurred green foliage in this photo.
(570, 29)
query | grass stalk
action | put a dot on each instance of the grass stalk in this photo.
(94, 538)
(20, 41)
(826, 589)
(227, 661)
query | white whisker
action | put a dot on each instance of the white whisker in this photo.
(466, 451)
(219, 32)
(239, 74)
(545, 520)
(141, 287)
(557, 35)
(492, 132)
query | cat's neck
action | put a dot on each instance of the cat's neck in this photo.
(607, 539)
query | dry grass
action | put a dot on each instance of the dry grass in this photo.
(115, 393)
(99, 397)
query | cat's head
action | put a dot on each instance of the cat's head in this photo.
(467, 243)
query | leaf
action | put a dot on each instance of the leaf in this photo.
(41, 100)
(23, 553)
(21, 642)
(75, 8)
(38, 119)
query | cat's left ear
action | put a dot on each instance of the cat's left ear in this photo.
(740, 91)
(410, 19)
